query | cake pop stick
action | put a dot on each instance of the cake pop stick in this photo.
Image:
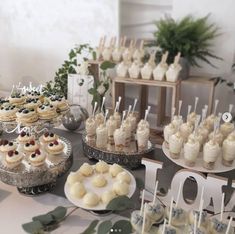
(229, 225)
(180, 105)
(106, 115)
(195, 104)
(164, 227)
(120, 42)
(178, 195)
(215, 107)
(196, 124)
(155, 192)
(149, 108)
(134, 43)
(200, 213)
(104, 41)
(230, 108)
(111, 42)
(123, 116)
(165, 57)
(215, 129)
(206, 109)
(124, 41)
(129, 110)
(13, 87)
(119, 101)
(222, 207)
(94, 109)
(170, 214)
(116, 106)
(189, 110)
(172, 113)
(134, 105)
(146, 115)
(195, 224)
(142, 202)
(114, 42)
(102, 105)
(144, 219)
(141, 44)
(202, 194)
(177, 58)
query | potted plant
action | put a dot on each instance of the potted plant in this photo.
(192, 37)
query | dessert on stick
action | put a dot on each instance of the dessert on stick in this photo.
(178, 119)
(211, 118)
(147, 70)
(172, 74)
(160, 70)
(192, 116)
(228, 150)
(90, 126)
(228, 127)
(120, 136)
(102, 134)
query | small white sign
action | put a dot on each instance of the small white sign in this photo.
(78, 86)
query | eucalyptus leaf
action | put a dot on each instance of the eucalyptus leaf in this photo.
(122, 227)
(107, 65)
(44, 219)
(104, 227)
(94, 55)
(120, 203)
(91, 227)
(58, 213)
(34, 227)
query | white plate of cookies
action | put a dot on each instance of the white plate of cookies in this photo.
(92, 187)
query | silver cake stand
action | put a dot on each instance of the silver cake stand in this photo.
(31, 180)
(131, 157)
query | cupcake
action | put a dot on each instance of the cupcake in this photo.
(25, 137)
(8, 113)
(13, 158)
(46, 111)
(48, 137)
(37, 158)
(26, 116)
(191, 152)
(55, 147)
(228, 149)
(169, 130)
(31, 146)
(101, 136)
(175, 145)
(211, 151)
(6, 146)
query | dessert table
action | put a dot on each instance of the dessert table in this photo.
(17, 209)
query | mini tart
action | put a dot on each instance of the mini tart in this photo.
(25, 137)
(55, 147)
(6, 146)
(46, 111)
(35, 94)
(31, 146)
(26, 115)
(32, 103)
(8, 113)
(48, 137)
(59, 102)
(13, 158)
(17, 99)
(37, 158)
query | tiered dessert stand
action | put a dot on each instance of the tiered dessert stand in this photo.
(31, 180)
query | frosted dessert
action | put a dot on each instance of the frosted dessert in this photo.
(107, 196)
(204, 218)
(210, 120)
(117, 118)
(185, 130)
(111, 126)
(179, 216)
(86, 169)
(31, 146)
(77, 190)
(169, 130)
(226, 128)
(25, 137)
(37, 158)
(13, 158)
(126, 126)
(204, 132)
(137, 221)
(74, 177)
(175, 145)
(119, 139)
(101, 167)
(17, 99)
(59, 102)
(142, 136)
(48, 137)
(8, 113)
(197, 137)
(218, 137)
(134, 70)
(172, 74)
(99, 119)
(155, 212)
(46, 111)
(122, 70)
(124, 176)
(115, 169)
(146, 71)
(32, 103)
(26, 116)
(228, 150)
(211, 151)
(191, 118)
(90, 127)
(117, 54)
(102, 136)
(177, 121)
(143, 123)
(191, 152)
(121, 188)
(6, 146)
(99, 181)
(55, 147)
(160, 71)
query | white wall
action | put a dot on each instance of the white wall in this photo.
(36, 35)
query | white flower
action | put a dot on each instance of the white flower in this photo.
(101, 89)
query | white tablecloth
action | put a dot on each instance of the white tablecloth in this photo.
(17, 209)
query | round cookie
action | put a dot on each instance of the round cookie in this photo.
(101, 167)
(91, 199)
(99, 181)
(121, 188)
(77, 190)
(115, 169)
(86, 169)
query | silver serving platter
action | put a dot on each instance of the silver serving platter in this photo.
(130, 157)
(27, 177)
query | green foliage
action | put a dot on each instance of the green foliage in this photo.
(120, 203)
(123, 227)
(60, 83)
(104, 227)
(91, 228)
(48, 221)
(192, 37)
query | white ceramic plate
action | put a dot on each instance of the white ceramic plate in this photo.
(219, 167)
(99, 191)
